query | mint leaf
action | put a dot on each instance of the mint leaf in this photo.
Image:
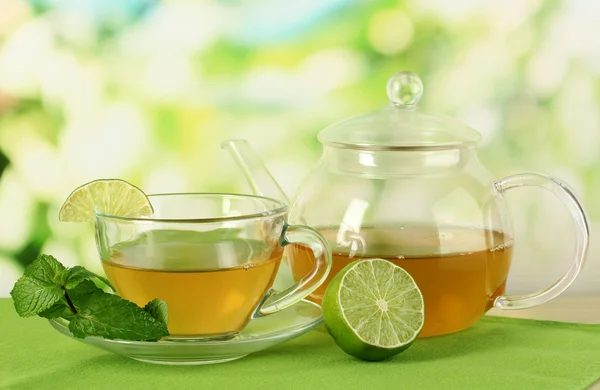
(82, 292)
(32, 296)
(158, 309)
(65, 308)
(46, 268)
(59, 309)
(78, 274)
(109, 316)
(39, 288)
(50, 290)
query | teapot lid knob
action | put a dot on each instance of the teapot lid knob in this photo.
(404, 89)
(400, 125)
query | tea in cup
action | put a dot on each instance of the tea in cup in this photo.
(212, 258)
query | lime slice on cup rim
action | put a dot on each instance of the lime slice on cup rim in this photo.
(373, 309)
(111, 196)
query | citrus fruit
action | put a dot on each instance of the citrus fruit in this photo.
(111, 196)
(373, 309)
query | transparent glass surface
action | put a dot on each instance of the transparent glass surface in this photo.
(211, 257)
(434, 213)
(400, 125)
(409, 187)
(261, 333)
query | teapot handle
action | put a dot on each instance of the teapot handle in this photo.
(567, 196)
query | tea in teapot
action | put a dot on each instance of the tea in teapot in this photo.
(458, 276)
(408, 187)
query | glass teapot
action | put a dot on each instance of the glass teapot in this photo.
(407, 186)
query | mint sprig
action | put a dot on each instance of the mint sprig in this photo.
(50, 290)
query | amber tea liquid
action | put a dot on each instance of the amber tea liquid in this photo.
(211, 288)
(460, 271)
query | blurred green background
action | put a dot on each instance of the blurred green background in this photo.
(146, 90)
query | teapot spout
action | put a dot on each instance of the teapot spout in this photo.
(255, 171)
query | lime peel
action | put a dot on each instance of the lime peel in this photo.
(110, 196)
(373, 309)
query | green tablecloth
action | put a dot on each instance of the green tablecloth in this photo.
(497, 353)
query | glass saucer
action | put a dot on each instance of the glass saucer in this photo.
(261, 333)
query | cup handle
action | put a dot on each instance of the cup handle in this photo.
(567, 196)
(298, 234)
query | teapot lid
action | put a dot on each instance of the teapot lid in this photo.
(400, 126)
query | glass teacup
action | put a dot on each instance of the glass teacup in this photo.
(212, 257)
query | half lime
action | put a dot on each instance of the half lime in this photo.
(373, 309)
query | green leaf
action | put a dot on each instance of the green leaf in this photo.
(40, 286)
(59, 309)
(32, 296)
(82, 292)
(109, 316)
(158, 309)
(78, 274)
(50, 290)
(47, 269)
